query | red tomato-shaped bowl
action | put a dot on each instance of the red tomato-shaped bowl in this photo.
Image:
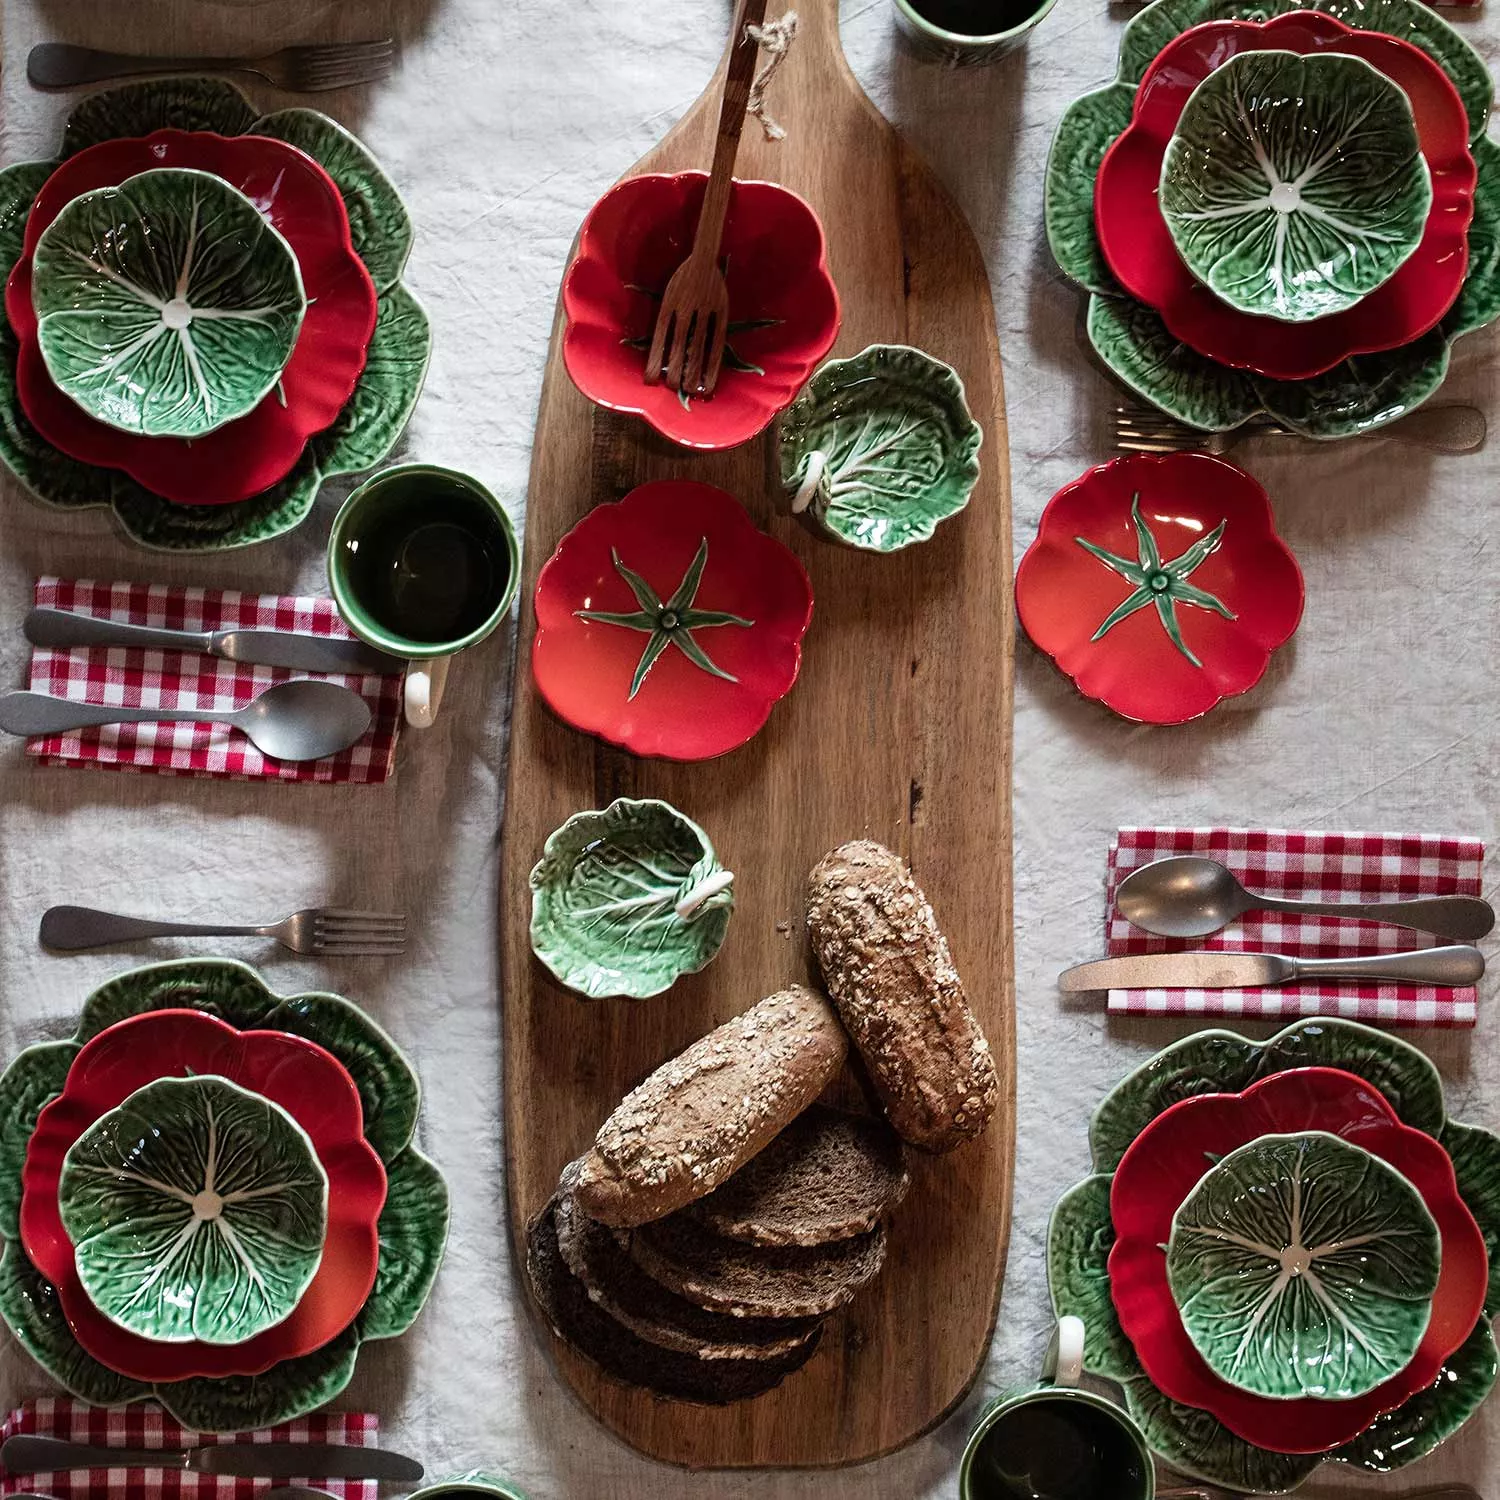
(1159, 585)
(668, 623)
(1134, 238)
(306, 1081)
(246, 456)
(783, 308)
(1164, 1164)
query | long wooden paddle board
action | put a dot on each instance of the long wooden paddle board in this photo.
(898, 729)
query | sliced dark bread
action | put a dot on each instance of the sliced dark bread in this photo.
(828, 1176)
(619, 1286)
(619, 1353)
(754, 1281)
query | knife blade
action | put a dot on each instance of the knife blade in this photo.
(1446, 967)
(46, 1455)
(262, 648)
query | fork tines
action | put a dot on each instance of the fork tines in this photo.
(333, 65)
(359, 933)
(1139, 431)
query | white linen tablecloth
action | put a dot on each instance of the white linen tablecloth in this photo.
(506, 120)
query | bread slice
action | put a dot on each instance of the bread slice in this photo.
(755, 1281)
(709, 1110)
(887, 967)
(616, 1284)
(618, 1352)
(828, 1176)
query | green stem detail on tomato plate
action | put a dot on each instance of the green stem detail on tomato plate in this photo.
(669, 624)
(1163, 584)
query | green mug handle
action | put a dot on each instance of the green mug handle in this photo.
(1063, 1366)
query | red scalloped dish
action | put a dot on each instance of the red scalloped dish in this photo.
(1138, 246)
(783, 307)
(249, 455)
(1248, 586)
(670, 538)
(306, 1081)
(1164, 1164)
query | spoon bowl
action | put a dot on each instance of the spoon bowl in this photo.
(1189, 896)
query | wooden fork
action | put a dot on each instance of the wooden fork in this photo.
(693, 323)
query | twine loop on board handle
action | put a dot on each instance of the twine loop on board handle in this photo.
(774, 38)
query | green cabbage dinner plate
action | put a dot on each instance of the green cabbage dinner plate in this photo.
(373, 418)
(1081, 1235)
(1360, 394)
(413, 1225)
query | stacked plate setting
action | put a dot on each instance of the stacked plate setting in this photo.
(204, 314)
(1284, 1255)
(209, 1195)
(1292, 217)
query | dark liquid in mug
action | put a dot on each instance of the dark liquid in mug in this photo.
(1057, 1450)
(433, 565)
(976, 17)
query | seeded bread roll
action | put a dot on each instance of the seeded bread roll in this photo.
(887, 967)
(702, 1115)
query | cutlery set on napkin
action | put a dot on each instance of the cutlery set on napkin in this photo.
(1291, 924)
(225, 660)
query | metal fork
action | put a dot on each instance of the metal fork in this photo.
(326, 930)
(1442, 429)
(692, 324)
(303, 70)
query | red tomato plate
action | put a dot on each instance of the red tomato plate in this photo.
(783, 308)
(1136, 243)
(249, 455)
(668, 623)
(1167, 1160)
(306, 1081)
(1159, 585)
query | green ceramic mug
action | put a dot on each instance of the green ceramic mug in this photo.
(476, 1484)
(964, 48)
(423, 563)
(1053, 1441)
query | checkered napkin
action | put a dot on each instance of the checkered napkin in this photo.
(1319, 867)
(144, 1425)
(165, 679)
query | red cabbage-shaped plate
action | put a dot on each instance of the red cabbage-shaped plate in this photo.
(1165, 1163)
(1159, 585)
(668, 623)
(783, 308)
(306, 1081)
(251, 454)
(1138, 246)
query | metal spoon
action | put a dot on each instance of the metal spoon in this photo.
(1189, 896)
(298, 720)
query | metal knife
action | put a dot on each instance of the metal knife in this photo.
(47, 1455)
(1446, 967)
(264, 648)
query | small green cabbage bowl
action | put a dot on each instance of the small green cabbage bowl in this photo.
(197, 1211)
(880, 448)
(627, 899)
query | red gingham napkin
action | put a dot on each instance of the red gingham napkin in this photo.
(1320, 867)
(145, 1425)
(157, 679)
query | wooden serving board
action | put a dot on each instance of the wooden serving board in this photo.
(898, 729)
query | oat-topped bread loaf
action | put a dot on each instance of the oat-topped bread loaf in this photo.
(887, 967)
(755, 1281)
(828, 1176)
(708, 1111)
(622, 1289)
(618, 1352)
